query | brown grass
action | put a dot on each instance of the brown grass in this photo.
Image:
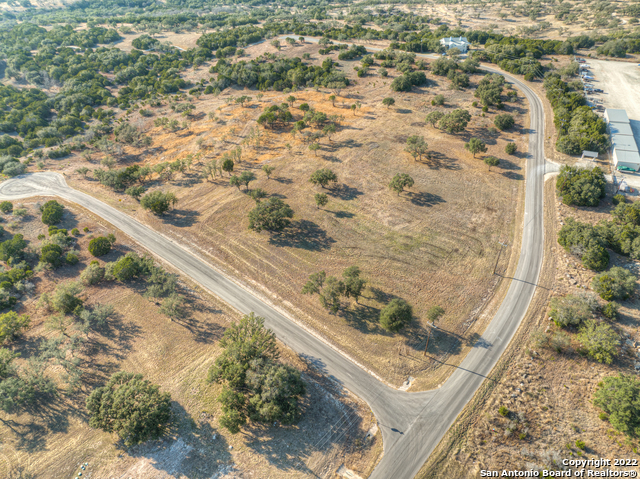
(52, 439)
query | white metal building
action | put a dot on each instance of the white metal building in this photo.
(624, 148)
(455, 42)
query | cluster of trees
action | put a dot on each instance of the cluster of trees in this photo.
(256, 386)
(278, 74)
(598, 339)
(330, 289)
(581, 186)
(579, 128)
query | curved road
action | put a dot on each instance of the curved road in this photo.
(412, 424)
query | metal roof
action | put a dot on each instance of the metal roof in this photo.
(614, 115)
(624, 142)
(631, 157)
(454, 40)
(620, 129)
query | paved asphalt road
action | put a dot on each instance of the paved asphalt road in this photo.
(412, 424)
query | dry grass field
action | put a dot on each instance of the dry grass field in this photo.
(551, 391)
(52, 439)
(434, 244)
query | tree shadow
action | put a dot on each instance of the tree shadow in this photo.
(345, 192)
(284, 181)
(188, 449)
(364, 318)
(303, 234)
(513, 176)
(182, 218)
(342, 214)
(426, 199)
(441, 342)
(436, 160)
(509, 165)
(332, 159)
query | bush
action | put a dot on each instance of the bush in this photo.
(158, 202)
(75, 232)
(438, 100)
(396, 315)
(618, 397)
(596, 258)
(51, 255)
(99, 246)
(65, 298)
(599, 340)
(617, 283)
(72, 258)
(610, 310)
(6, 207)
(128, 267)
(580, 444)
(271, 215)
(619, 198)
(173, 306)
(52, 212)
(559, 341)
(580, 186)
(504, 121)
(92, 274)
(510, 148)
(131, 407)
(503, 411)
(11, 326)
(571, 310)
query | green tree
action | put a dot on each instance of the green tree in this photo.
(353, 108)
(619, 397)
(271, 215)
(92, 274)
(599, 340)
(210, 169)
(401, 181)
(581, 186)
(332, 98)
(323, 177)
(99, 246)
(434, 117)
(227, 165)
(315, 283)
(504, 121)
(235, 181)
(353, 283)
(12, 325)
(314, 147)
(510, 148)
(474, 146)
(388, 102)
(321, 199)
(65, 297)
(396, 315)
(330, 295)
(455, 122)
(83, 171)
(491, 161)
(438, 100)
(51, 254)
(617, 283)
(268, 170)
(291, 100)
(329, 130)
(416, 146)
(135, 191)
(247, 177)
(130, 406)
(595, 257)
(158, 202)
(52, 212)
(12, 250)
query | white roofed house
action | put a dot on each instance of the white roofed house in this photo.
(460, 43)
(624, 150)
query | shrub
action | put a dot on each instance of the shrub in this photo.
(603, 416)
(72, 258)
(559, 341)
(503, 411)
(11, 326)
(618, 397)
(173, 306)
(396, 315)
(51, 255)
(596, 258)
(619, 198)
(99, 246)
(504, 121)
(271, 215)
(131, 407)
(52, 212)
(65, 298)
(610, 310)
(438, 100)
(6, 207)
(510, 148)
(599, 340)
(158, 202)
(571, 310)
(75, 232)
(580, 444)
(92, 274)
(617, 283)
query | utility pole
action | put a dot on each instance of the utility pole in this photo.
(498, 258)
(428, 338)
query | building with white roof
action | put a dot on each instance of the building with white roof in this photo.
(624, 148)
(455, 42)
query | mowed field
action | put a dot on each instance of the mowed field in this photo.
(52, 439)
(436, 244)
